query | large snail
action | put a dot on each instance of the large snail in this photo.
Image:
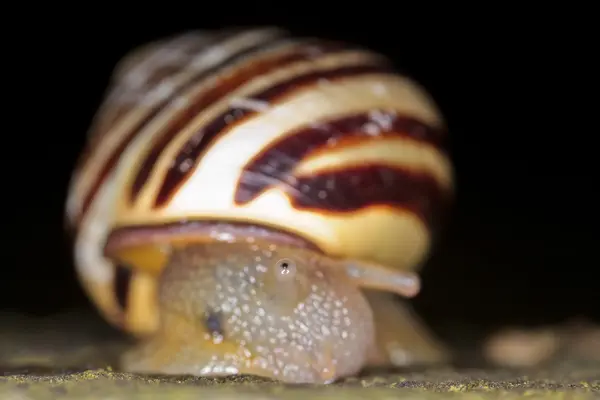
(251, 202)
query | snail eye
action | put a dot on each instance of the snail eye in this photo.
(286, 269)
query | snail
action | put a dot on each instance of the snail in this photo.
(250, 201)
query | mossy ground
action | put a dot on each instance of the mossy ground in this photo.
(72, 358)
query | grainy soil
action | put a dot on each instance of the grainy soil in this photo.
(74, 358)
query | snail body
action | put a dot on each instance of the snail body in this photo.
(251, 202)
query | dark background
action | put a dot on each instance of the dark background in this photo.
(521, 244)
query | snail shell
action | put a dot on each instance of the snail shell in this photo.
(252, 134)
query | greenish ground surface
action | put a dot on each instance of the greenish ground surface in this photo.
(71, 359)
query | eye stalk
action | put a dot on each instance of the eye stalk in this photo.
(380, 277)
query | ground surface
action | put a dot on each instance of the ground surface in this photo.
(72, 358)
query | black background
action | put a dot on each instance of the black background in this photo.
(521, 245)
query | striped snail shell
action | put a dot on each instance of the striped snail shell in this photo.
(245, 194)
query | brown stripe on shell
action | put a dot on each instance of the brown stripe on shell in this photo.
(189, 44)
(216, 230)
(192, 48)
(277, 161)
(353, 188)
(189, 155)
(116, 154)
(302, 51)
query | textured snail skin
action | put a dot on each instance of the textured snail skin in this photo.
(208, 143)
(232, 308)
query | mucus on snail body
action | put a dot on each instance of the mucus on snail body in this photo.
(266, 197)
